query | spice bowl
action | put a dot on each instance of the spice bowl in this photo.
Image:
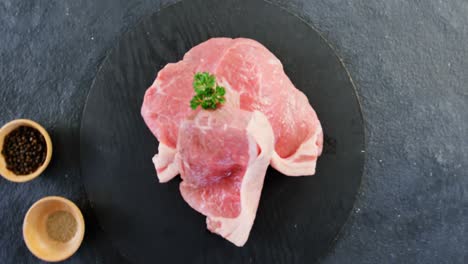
(5, 131)
(53, 228)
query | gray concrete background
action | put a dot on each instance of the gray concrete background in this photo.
(409, 60)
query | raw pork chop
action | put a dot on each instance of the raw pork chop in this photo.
(258, 76)
(223, 156)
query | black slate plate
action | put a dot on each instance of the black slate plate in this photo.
(298, 218)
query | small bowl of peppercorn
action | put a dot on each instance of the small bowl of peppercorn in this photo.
(26, 150)
(53, 228)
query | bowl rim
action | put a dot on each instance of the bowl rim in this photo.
(80, 223)
(9, 175)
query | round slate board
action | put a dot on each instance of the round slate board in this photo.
(298, 218)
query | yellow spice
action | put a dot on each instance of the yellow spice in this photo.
(61, 226)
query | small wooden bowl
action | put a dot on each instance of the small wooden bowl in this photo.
(35, 230)
(4, 131)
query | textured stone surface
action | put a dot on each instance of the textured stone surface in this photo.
(409, 60)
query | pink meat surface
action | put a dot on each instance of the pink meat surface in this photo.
(223, 157)
(249, 68)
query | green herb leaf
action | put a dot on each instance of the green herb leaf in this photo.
(208, 94)
(194, 104)
(220, 90)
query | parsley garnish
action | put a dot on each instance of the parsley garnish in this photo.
(208, 94)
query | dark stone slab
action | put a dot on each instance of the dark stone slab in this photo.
(409, 60)
(298, 218)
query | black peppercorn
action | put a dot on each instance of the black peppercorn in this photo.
(24, 150)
